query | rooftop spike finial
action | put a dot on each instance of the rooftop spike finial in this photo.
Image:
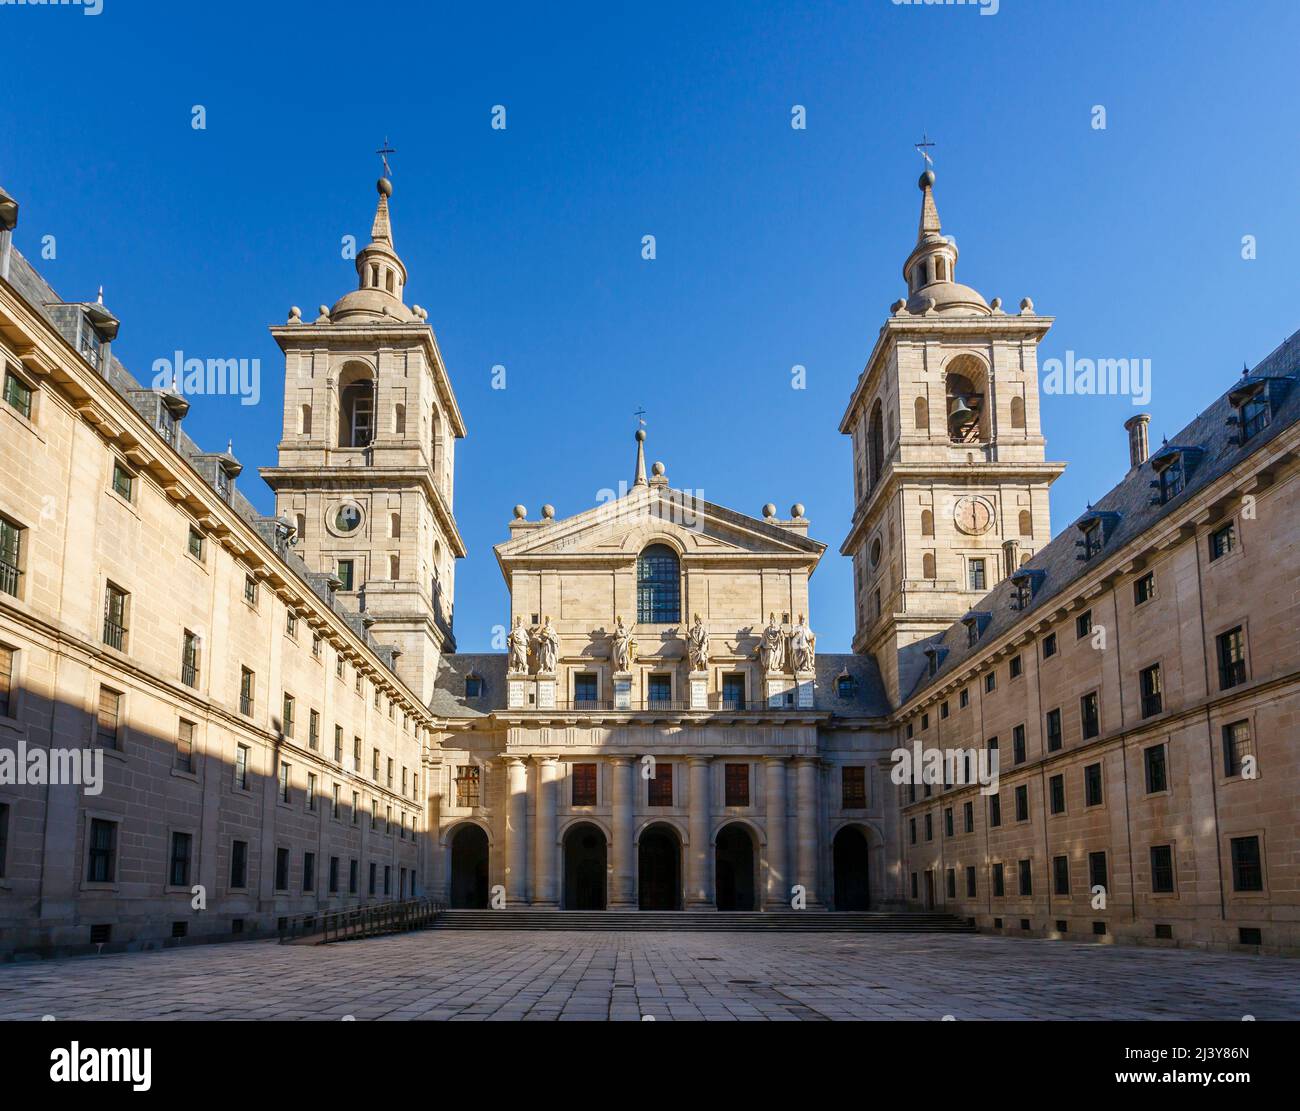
(640, 479)
(930, 227)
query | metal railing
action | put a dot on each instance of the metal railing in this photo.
(321, 928)
(715, 703)
(114, 634)
(9, 573)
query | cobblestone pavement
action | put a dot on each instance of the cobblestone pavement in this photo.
(505, 975)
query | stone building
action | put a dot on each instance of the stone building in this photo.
(1135, 676)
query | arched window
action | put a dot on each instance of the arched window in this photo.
(300, 523)
(435, 443)
(876, 442)
(356, 409)
(394, 567)
(927, 522)
(658, 586)
(922, 408)
(388, 280)
(395, 526)
(306, 420)
(1017, 412)
(399, 420)
(927, 562)
(1026, 523)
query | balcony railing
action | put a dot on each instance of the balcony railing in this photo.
(363, 921)
(9, 578)
(715, 703)
(114, 634)
(189, 675)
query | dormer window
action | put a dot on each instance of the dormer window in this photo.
(1254, 401)
(1091, 539)
(167, 425)
(934, 658)
(846, 687)
(1173, 466)
(223, 483)
(473, 686)
(1025, 583)
(1096, 527)
(975, 623)
(90, 345)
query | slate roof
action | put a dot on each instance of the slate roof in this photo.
(40, 295)
(1132, 500)
(869, 698)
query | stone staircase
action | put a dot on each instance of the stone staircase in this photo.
(791, 921)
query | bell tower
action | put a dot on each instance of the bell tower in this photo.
(949, 462)
(366, 460)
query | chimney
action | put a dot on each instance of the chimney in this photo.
(8, 221)
(1011, 556)
(1137, 439)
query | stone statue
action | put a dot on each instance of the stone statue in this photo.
(803, 646)
(624, 647)
(517, 648)
(697, 645)
(771, 648)
(546, 643)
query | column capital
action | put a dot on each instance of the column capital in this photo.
(698, 761)
(544, 758)
(776, 758)
(620, 761)
(513, 761)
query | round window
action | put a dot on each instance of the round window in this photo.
(348, 518)
(875, 554)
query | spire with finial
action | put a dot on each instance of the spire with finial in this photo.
(381, 274)
(930, 270)
(640, 479)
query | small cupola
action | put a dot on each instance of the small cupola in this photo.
(930, 270)
(381, 275)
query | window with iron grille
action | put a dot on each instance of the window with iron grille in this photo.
(584, 784)
(1092, 785)
(658, 586)
(115, 617)
(1232, 657)
(190, 659)
(737, 784)
(179, 871)
(1089, 715)
(1149, 684)
(1056, 789)
(11, 550)
(1097, 869)
(1162, 868)
(1247, 869)
(1157, 771)
(661, 785)
(246, 692)
(1236, 746)
(185, 746)
(853, 787)
(660, 689)
(1061, 875)
(1222, 541)
(102, 858)
(108, 718)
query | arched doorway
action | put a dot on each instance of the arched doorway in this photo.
(659, 869)
(852, 891)
(584, 868)
(735, 868)
(469, 868)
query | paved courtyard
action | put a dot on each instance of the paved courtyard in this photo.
(463, 975)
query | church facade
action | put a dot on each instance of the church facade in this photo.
(224, 720)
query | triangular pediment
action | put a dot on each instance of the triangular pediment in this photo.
(622, 527)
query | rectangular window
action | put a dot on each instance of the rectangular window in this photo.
(1089, 715)
(356, 755)
(970, 881)
(1049, 645)
(661, 785)
(4, 837)
(1097, 870)
(1144, 588)
(1018, 744)
(195, 543)
(1156, 770)
(190, 659)
(284, 782)
(467, 785)
(335, 806)
(1016, 667)
(1149, 685)
(951, 882)
(18, 394)
(356, 807)
(911, 826)
(107, 718)
(1083, 625)
(733, 692)
(1232, 658)
(374, 870)
(185, 746)
(1247, 870)
(309, 871)
(241, 767)
(1162, 868)
(6, 682)
(929, 827)
(178, 874)
(290, 624)
(289, 717)
(1092, 785)
(1056, 789)
(388, 878)
(338, 744)
(1053, 730)
(250, 590)
(947, 821)
(334, 875)
(11, 551)
(374, 764)
(388, 778)
(999, 881)
(352, 877)
(660, 689)
(736, 783)
(311, 791)
(1022, 803)
(238, 865)
(1222, 541)
(968, 817)
(345, 574)
(102, 862)
(995, 810)
(123, 480)
(1236, 746)
(247, 691)
(1025, 868)
(976, 568)
(1061, 875)
(853, 787)
(584, 689)
(963, 698)
(990, 682)
(115, 617)
(584, 784)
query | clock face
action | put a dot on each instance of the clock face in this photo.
(348, 518)
(972, 515)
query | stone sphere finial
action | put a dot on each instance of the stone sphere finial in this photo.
(657, 469)
(385, 187)
(769, 510)
(548, 511)
(1027, 305)
(926, 180)
(796, 510)
(640, 435)
(520, 513)
(295, 314)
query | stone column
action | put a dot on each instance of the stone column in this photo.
(623, 890)
(516, 832)
(545, 871)
(778, 857)
(699, 874)
(809, 850)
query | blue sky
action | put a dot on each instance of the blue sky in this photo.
(775, 247)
